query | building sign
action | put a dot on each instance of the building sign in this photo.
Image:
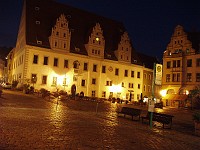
(158, 73)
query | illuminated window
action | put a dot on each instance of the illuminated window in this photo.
(64, 81)
(54, 81)
(33, 78)
(44, 79)
(35, 59)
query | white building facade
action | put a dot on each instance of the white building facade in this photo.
(56, 52)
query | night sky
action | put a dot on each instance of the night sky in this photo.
(150, 23)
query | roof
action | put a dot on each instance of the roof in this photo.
(80, 23)
(147, 61)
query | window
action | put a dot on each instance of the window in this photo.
(126, 73)
(111, 95)
(122, 84)
(130, 85)
(35, 59)
(144, 88)
(189, 63)
(45, 61)
(37, 22)
(189, 77)
(168, 64)
(65, 63)
(178, 77)
(83, 83)
(149, 77)
(76, 64)
(198, 62)
(85, 66)
(44, 79)
(197, 77)
(132, 74)
(104, 94)
(103, 69)
(138, 74)
(116, 71)
(173, 77)
(108, 83)
(94, 68)
(54, 81)
(55, 63)
(138, 86)
(93, 93)
(33, 78)
(138, 96)
(174, 63)
(93, 81)
(149, 88)
(167, 77)
(178, 63)
(145, 76)
(64, 81)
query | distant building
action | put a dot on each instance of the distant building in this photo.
(181, 66)
(59, 46)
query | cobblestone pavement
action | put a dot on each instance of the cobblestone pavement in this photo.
(28, 122)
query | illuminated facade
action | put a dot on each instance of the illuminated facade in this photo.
(59, 46)
(181, 65)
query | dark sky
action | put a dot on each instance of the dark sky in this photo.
(150, 23)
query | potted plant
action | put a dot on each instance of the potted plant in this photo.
(196, 118)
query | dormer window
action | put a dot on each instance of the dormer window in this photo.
(97, 39)
(37, 8)
(39, 42)
(37, 22)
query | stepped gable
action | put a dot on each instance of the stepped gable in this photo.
(80, 24)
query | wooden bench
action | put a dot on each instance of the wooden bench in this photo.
(131, 112)
(165, 119)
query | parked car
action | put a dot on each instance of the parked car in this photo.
(6, 85)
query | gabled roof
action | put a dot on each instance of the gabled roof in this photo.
(80, 24)
(145, 60)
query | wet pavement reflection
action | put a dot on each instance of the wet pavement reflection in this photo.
(29, 122)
